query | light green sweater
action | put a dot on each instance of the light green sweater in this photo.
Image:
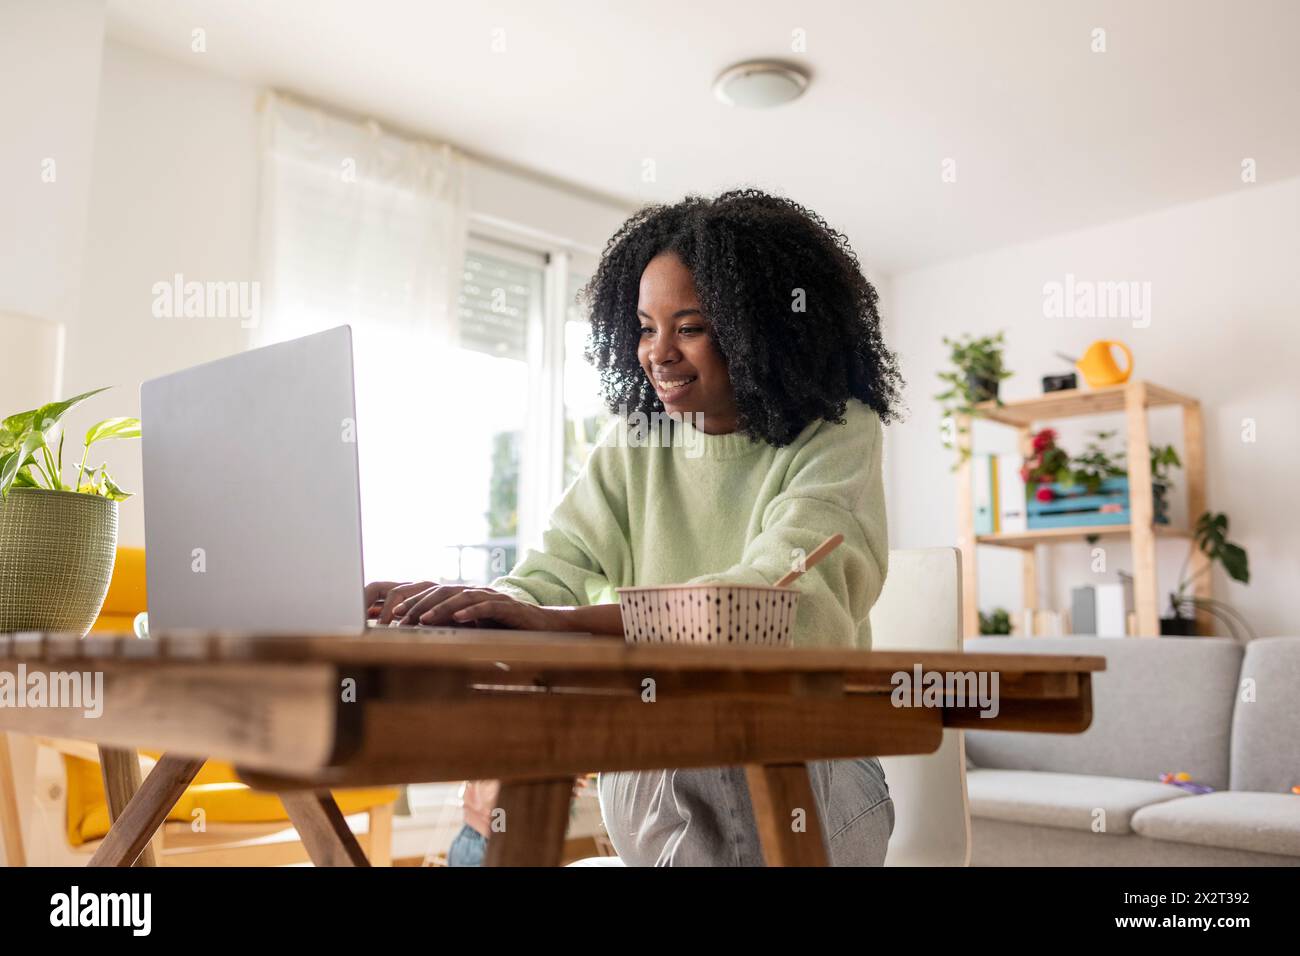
(703, 508)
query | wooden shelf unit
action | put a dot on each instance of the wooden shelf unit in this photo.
(1030, 539)
(1132, 399)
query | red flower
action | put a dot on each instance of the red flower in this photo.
(1044, 494)
(1044, 440)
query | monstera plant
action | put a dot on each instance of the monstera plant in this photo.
(58, 537)
(1211, 538)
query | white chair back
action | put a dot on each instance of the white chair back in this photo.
(920, 609)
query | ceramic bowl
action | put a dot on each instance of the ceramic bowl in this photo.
(710, 615)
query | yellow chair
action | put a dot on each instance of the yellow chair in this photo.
(216, 796)
(126, 596)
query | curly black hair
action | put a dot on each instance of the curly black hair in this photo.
(750, 254)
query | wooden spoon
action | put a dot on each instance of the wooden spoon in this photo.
(823, 549)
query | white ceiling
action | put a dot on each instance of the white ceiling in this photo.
(1047, 135)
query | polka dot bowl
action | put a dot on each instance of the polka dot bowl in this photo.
(709, 615)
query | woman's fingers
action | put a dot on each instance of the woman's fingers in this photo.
(497, 612)
(503, 610)
(374, 593)
(394, 597)
(427, 608)
(438, 608)
(424, 602)
(408, 611)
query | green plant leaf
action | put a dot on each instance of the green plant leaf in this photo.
(15, 460)
(113, 428)
(16, 426)
(109, 489)
(24, 479)
(47, 416)
(1211, 536)
(97, 481)
(7, 460)
(1235, 562)
(1207, 535)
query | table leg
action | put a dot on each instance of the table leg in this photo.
(535, 814)
(786, 813)
(379, 836)
(323, 829)
(120, 768)
(145, 808)
(11, 822)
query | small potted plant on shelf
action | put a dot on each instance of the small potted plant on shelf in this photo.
(1211, 537)
(58, 538)
(1094, 467)
(997, 622)
(1163, 460)
(976, 373)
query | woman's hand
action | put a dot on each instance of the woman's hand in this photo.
(423, 602)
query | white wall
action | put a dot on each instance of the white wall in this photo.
(49, 82)
(175, 191)
(1225, 328)
(49, 85)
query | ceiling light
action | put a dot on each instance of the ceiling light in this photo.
(759, 84)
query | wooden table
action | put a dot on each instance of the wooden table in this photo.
(300, 715)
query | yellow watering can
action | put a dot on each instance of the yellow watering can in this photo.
(1098, 364)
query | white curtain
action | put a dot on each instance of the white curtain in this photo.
(363, 227)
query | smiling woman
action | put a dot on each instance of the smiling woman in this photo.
(676, 349)
(746, 322)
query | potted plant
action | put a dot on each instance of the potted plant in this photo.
(1163, 461)
(998, 622)
(1211, 537)
(1094, 467)
(976, 373)
(58, 538)
(1048, 462)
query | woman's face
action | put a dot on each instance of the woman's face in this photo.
(677, 350)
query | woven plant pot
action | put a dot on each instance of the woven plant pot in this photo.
(56, 559)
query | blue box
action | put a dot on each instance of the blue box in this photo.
(1073, 507)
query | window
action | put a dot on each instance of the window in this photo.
(458, 521)
(465, 446)
(514, 409)
(461, 411)
(484, 394)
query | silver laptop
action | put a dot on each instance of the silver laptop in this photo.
(251, 498)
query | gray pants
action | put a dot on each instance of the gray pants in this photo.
(703, 817)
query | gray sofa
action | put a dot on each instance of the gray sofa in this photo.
(1229, 717)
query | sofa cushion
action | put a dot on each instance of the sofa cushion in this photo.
(1263, 822)
(1266, 722)
(999, 843)
(1063, 799)
(1162, 705)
